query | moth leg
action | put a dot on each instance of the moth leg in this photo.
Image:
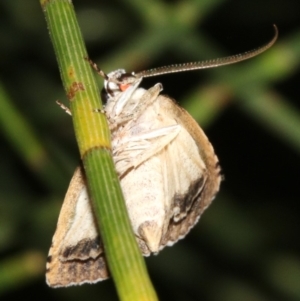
(147, 100)
(102, 111)
(96, 68)
(65, 108)
(140, 148)
(136, 110)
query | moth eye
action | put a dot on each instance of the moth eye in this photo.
(104, 96)
(124, 87)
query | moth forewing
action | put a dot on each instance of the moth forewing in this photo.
(76, 254)
(197, 173)
(166, 177)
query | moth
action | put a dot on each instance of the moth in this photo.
(167, 167)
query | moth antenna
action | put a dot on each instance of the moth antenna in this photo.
(209, 63)
(96, 68)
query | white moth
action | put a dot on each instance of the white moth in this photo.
(168, 171)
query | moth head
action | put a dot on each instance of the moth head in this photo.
(116, 82)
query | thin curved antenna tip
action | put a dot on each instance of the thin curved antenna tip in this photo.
(276, 33)
(210, 63)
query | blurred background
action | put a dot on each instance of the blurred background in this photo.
(246, 246)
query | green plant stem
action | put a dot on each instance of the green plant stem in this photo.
(122, 253)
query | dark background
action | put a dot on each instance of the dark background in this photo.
(246, 246)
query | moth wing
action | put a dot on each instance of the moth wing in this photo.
(76, 254)
(193, 171)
